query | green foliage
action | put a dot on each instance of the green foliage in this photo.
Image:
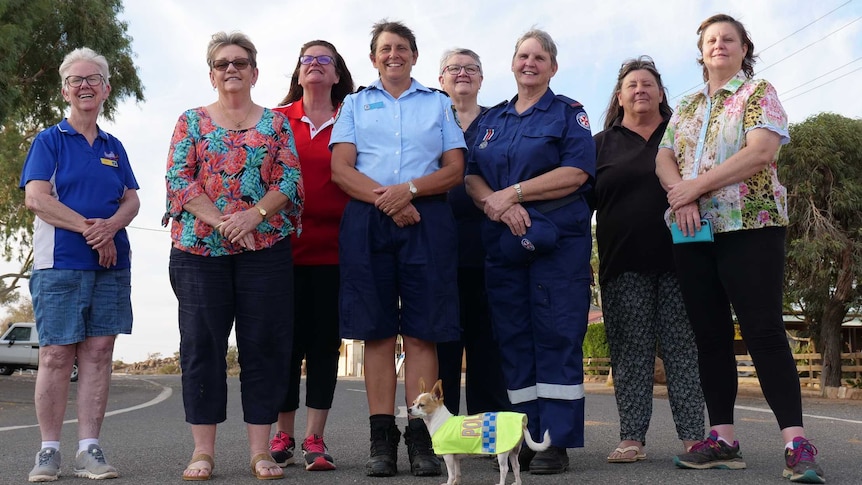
(822, 170)
(35, 35)
(595, 342)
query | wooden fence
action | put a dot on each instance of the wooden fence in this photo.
(808, 365)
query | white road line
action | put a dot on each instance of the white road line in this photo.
(166, 393)
(814, 416)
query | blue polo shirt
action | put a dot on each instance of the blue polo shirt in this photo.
(90, 180)
(397, 139)
(512, 147)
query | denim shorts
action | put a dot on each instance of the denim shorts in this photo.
(72, 305)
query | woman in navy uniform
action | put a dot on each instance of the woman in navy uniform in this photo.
(531, 166)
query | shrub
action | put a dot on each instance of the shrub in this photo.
(595, 342)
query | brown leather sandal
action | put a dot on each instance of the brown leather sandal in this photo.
(265, 457)
(199, 478)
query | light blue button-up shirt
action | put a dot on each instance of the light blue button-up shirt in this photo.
(397, 139)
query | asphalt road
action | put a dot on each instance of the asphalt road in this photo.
(146, 438)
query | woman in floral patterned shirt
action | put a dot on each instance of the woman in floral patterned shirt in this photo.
(717, 161)
(235, 195)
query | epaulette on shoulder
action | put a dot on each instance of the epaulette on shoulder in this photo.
(439, 91)
(360, 88)
(501, 104)
(569, 101)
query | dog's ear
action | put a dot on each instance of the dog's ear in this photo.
(437, 390)
(421, 385)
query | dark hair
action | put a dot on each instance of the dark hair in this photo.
(747, 61)
(222, 39)
(339, 91)
(396, 28)
(642, 63)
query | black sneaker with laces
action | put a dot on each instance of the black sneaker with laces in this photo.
(423, 461)
(551, 461)
(711, 453)
(800, 465)
(385, 437)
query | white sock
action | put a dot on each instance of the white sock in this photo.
(728, 443)
(85, 443)
(789, 445)
(51, 444)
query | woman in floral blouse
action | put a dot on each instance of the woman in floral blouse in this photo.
(718, 161)
(235, 195)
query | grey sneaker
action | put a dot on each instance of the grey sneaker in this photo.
(47, 467)
(92, 464)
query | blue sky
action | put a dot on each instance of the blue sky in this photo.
(593, 38)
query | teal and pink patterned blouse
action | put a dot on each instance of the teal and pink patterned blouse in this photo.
(738, 107)
(235, 169)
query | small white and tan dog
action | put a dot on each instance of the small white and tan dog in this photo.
(498, 433)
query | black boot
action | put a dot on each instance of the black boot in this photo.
(551, 461)
(384, 447)
(423, 462)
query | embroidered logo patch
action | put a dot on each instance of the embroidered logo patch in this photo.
(584, 121)
(527, 244)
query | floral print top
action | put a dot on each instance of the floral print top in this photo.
(705, 131)
(235, 169)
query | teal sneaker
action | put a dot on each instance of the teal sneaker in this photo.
(711, 453)
(801, 467)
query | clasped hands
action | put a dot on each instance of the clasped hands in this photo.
(100, 236)
(395, 202)
(682, 198)
(238, 226)
(498, 206)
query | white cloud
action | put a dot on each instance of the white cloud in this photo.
(593, 38)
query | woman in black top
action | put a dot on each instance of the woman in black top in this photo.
(641, 300)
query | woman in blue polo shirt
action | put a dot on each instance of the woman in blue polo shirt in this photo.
(79, 184)
(396, 151)
(534, 159)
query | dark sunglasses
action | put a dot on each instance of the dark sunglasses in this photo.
(238, 64)
(322, 60)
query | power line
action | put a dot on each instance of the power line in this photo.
(809, 24)
(824, 84)
(820, 76)
(782, 40)
(809, 45)
(148, 229)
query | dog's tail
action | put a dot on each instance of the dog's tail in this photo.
(546, 441)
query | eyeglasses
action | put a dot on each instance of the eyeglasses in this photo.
(322, 60)
(93, 80)
(455, 69)
(239, 64)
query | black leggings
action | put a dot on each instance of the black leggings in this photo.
(744, 269)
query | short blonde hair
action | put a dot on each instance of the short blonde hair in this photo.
(222, 39)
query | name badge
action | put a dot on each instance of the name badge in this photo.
(377, 105)
(109, 162)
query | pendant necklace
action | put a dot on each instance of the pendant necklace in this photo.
(237, 124)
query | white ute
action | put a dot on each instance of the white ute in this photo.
(19, 349)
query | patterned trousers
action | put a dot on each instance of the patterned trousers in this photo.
(643, 311)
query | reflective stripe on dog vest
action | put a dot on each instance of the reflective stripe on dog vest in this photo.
(487, 433)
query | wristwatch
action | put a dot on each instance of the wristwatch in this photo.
(413, 189)
(262, 211)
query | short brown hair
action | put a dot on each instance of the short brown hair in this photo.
(749, 59)
(396, 28)
(222, 39)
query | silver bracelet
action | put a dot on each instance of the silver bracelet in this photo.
(519, 192)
